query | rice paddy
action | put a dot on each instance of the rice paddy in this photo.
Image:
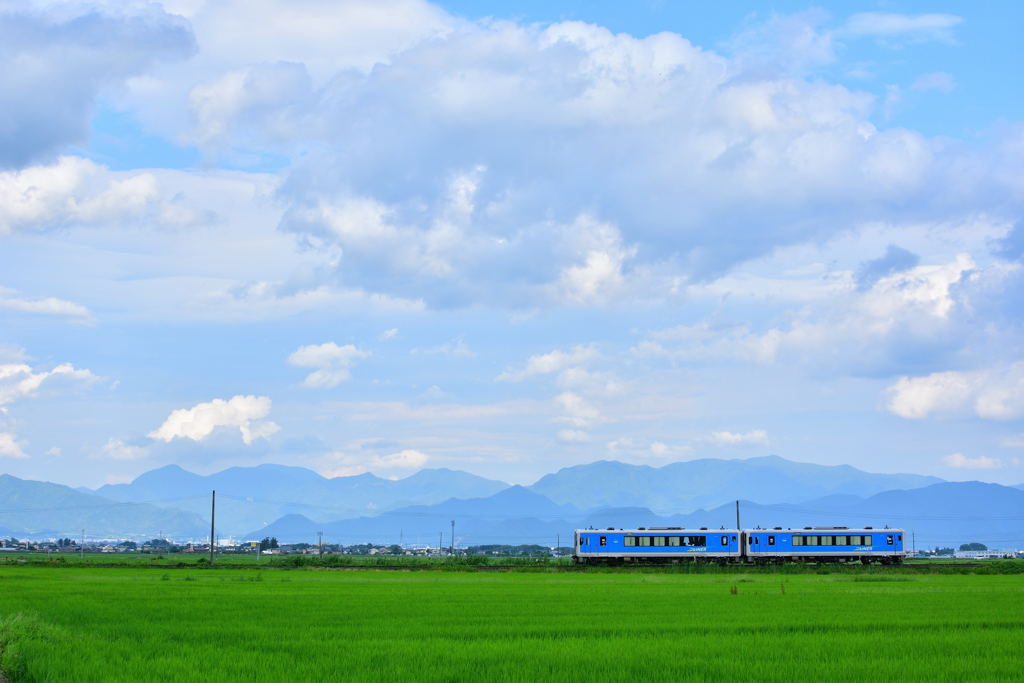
(134, 624)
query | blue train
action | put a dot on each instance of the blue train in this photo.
(761, 546)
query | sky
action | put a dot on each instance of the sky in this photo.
(506, 238)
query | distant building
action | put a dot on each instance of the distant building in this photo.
(983, 554)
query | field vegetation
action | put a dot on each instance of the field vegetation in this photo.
(134, 624)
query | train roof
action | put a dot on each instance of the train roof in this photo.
(669, 529)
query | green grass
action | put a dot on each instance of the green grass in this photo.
(92, 624)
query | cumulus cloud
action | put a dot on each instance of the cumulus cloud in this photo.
(850, 326)
(673, 138)
(9, 448)
(57, 60)
(995, 394)
(19, 380)
(76, 191)
(755, 437)
(551, 362)
(982, 462)
(332, 363)
(198, 422)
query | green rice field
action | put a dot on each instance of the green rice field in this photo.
(141, 624)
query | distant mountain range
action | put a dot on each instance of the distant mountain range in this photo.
(688, 485)
(943, 514)
(41, 509)
(294, 503)
(248, 497)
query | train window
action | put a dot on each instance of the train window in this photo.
(630, 541)
(725, 540)
(798, 540)
(643, 540)
(812, 540)
(698, 540)
(899, 537)
(674, 541)
(659, 541)
(888, 539)
(771, 540)
(604, 540)
(842, 540)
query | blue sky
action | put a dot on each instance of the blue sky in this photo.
(382, 236)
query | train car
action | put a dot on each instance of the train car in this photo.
(656, 544)
(828, 544)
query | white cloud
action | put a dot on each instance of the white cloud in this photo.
(347, 464)
(19, 380)
(325, 36)
(332, 363)
(576, 410)
(996, 394)
(76, 191)
(598, 276)
(838, 326)
(9, 448)
(252, 91)
(756, 437)
(982, 462)
(1014, 441)
(745, 148)
(9, 299)
(406, 459)
(551, 362)
(200, 421)
(919, 27)
(388, 334)
(115, 449)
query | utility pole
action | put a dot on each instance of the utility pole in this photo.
(440, 538)
(81, 549)
(913, 542)
(401, 538)
(452, 551)
(213, 513)
(320, 542)
(737, 515)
